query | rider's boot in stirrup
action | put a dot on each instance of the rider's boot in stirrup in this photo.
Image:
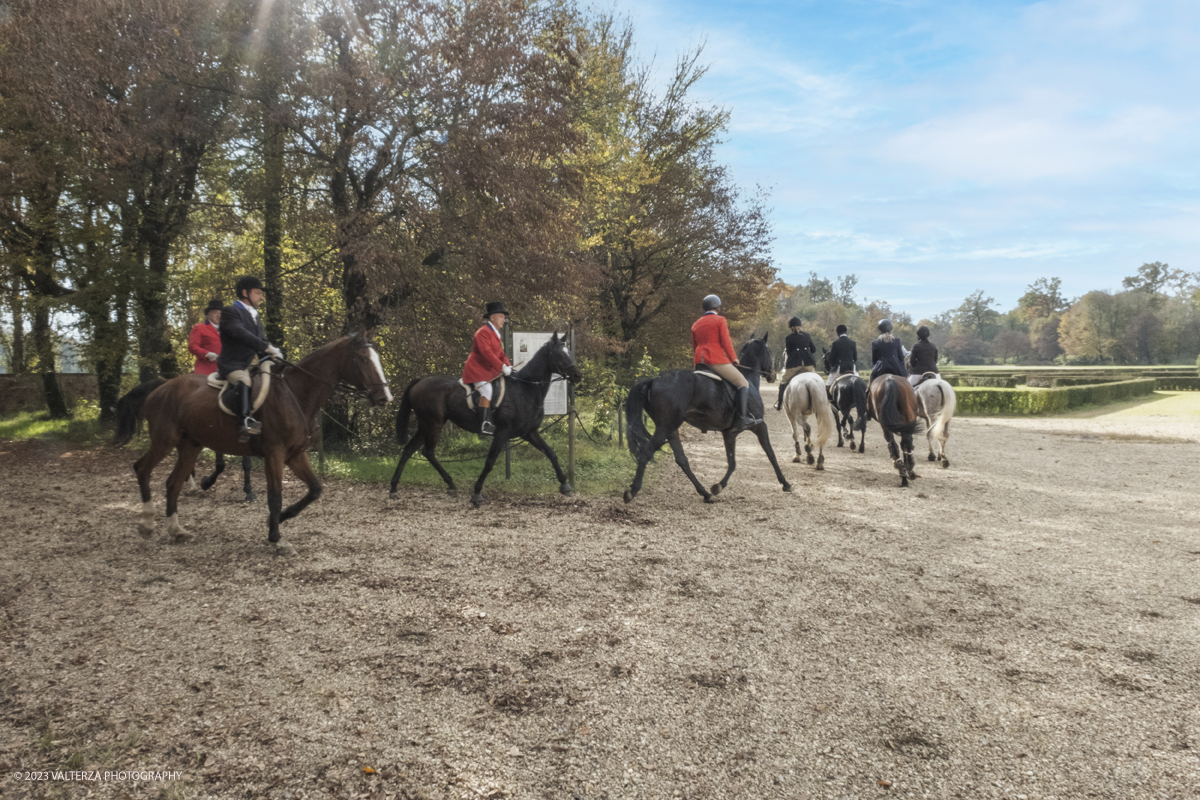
(744, 419)
(779, 402)
(250, 426)
(487, 427)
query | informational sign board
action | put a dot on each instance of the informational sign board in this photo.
(524, 345)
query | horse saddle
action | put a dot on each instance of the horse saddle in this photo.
(707, 371)
(926, 376)
(473, 394)
(260, 387)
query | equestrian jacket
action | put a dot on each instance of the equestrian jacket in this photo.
(843, 355)
(487, 359)
(204, 339)
(887, 358)
(242, 338)
(924, 358)
(710, 340)
(800, 349)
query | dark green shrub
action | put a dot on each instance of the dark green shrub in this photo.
(973, 400)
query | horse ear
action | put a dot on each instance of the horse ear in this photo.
(765, 335)
(369, 334)
(752, 337)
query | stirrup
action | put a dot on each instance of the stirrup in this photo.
(487, 428)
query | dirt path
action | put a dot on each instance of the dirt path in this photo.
(1022, 625)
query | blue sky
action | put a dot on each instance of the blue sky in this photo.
(936, 148)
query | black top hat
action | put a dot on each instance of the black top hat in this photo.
(214, 305)
(494, 308)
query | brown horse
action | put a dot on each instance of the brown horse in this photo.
(892, 403)
(182, 414)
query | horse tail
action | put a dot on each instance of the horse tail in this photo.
(888, 408)
(129, 411)
(405, 412)
(941, 427)
(818, 401)
(635, 426)
(860, 404)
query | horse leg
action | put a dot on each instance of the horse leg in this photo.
(498, 443)
(808, 441)
(250, 495)
(537, 441)
(682, 460)
(301, 467)
(405, 455)
(189, 451)
(897, 459)
(207, 482)
(764, 439)
(143, 467)
(840, 419)
(906, 445)
(795, 435)
(273, 467)
(656, 441)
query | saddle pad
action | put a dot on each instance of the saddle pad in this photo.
(708, 374)
(497, 392)
(261, 380)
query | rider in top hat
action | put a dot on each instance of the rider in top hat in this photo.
(204, 342)
(712, 346)
(242, 341)
(924, 356)
(487, 361)
(843, 356)
(799, 348)
(887, 354)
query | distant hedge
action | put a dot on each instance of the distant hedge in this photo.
(1177, 384)
(978, 400)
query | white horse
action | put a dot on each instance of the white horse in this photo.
(935, 404)
(805, 394)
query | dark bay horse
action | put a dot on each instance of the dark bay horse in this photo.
(680, 396)
(892, 403)
(182, 414)
(208, 481)
(849, 394)
(438, 399)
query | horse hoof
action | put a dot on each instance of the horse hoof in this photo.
(787, 487)
(145, 532)
(205, 484)
(811, 460)
(932, 457)
(181, 537)
(251, 497)
(796, 460)
(628, 496)
(393, 495)
(708, 498)
(452, 491)
(945, 463)
(565, 490)
(477, 500)
(284, 549)
(820, 466)
(842, 444)
(903, 482)
(716, 489)
(853, 447)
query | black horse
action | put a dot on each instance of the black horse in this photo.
(436, 399)
(680, 396)
(208, 481)
(849, 394)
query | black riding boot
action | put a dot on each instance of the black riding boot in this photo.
(779, 402)
(487, 427)
(250, 426)
(744, 420)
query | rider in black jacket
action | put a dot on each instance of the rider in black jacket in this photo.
(799, 348)
(924, 357)
(843, 356)
(242, 342)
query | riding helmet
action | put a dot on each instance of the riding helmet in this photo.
(214, 305)
(885, 326)
(923, 332)
(794, 322)
(841, 329)
(494, 308)
(245, 284)
(711, 303)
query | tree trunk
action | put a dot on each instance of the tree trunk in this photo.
(273, 141)
(18, 335)
(154, 338)
(43, 345)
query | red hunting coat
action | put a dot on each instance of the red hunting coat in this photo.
(487, 357)
(204, 339)
(711, 342)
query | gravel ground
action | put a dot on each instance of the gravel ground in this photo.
(1021, 625)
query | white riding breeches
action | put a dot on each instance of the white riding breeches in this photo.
(485, 389)
(835, 374)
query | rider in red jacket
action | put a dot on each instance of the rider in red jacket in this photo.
(712, 346)
(487, 362)
(204, 342)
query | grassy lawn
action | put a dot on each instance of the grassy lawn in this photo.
(1158, 404)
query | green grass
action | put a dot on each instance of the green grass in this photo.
(1159, 404)
(82, 429)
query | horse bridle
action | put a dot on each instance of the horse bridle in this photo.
(340, 386)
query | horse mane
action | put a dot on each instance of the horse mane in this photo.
(537, 365)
